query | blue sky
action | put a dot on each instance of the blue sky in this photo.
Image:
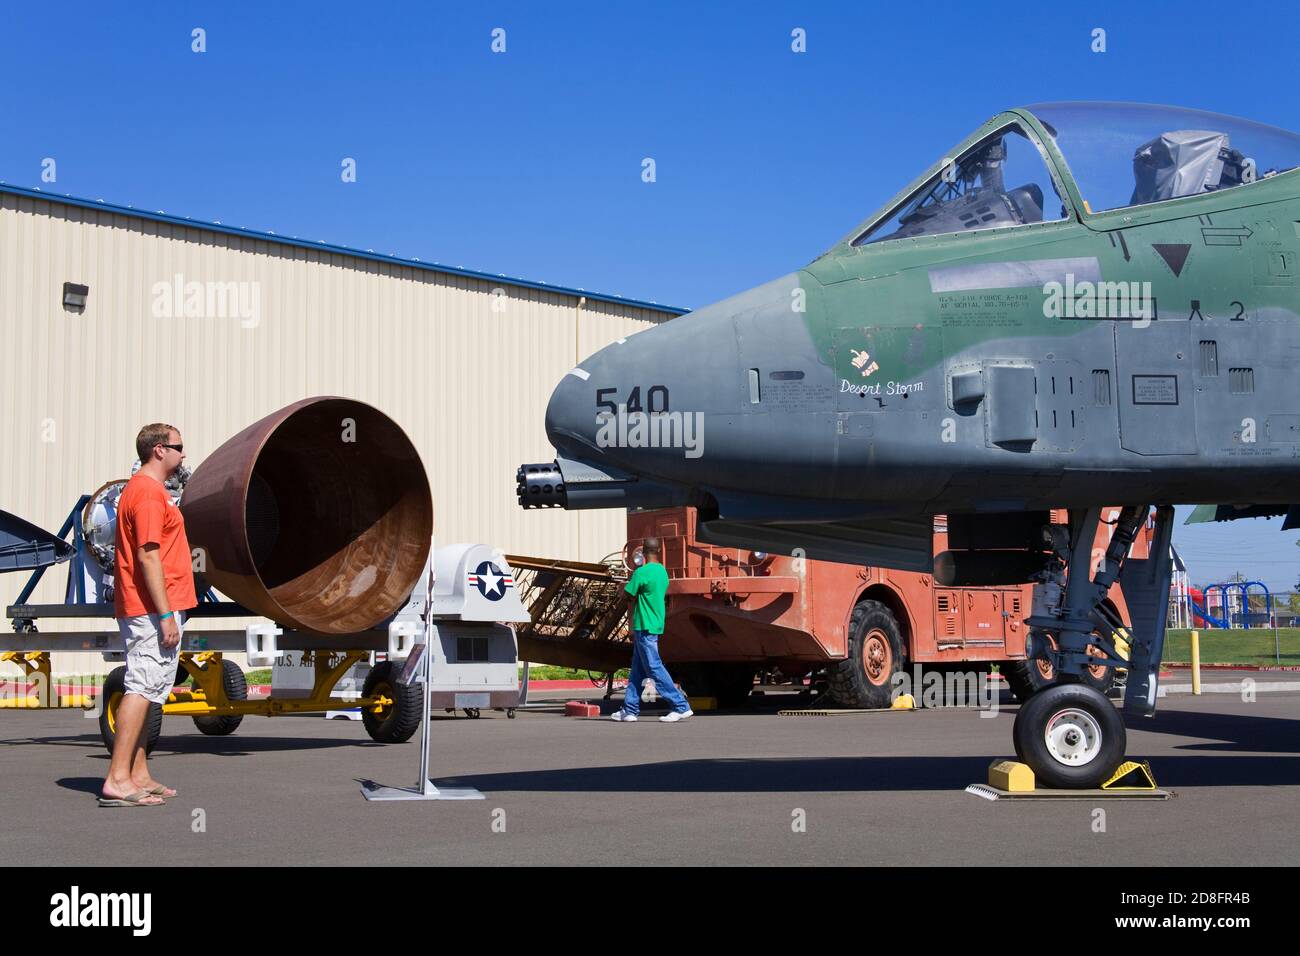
(528, 163)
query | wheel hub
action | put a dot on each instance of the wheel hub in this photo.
(876, 656)
(383, 689)
(1073, 737)
(1046, 670)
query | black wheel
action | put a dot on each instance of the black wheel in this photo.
(1025, 678)
(395, 723)
(236, 686)
(876, 653)
(473, 713)
(510, 712)
(111, 695)
(730, 683)
(1071, 736)
(1099, 678)
(690, 678)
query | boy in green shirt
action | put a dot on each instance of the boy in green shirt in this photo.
(647, 588)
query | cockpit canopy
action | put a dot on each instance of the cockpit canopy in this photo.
(1131, 154)
(1118, 154)
(1003, 180)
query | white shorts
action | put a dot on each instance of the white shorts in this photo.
(150, 667)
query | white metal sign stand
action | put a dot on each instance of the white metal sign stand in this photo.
(418, 670)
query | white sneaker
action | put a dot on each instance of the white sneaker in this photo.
(674, 716)
(623, 715)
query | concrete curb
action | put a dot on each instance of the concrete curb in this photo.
(1232, 688)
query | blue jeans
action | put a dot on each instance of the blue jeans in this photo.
(646, 663)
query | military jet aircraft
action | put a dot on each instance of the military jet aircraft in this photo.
(1081, 304)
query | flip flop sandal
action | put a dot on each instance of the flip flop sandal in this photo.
(161, 791)
(130, 800)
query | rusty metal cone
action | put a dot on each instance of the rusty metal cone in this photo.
(319, 516)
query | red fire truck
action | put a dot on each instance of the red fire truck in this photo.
(734, 612)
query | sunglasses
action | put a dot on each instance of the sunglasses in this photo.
(180, 448)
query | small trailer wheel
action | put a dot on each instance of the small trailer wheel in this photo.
(510, 712)
(396, 722)
(236, 686)
(1071, 736)
(110, 696)
(473, 713)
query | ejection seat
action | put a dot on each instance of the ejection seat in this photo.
(1185, 162)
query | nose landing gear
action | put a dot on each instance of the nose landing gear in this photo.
(1070, 734)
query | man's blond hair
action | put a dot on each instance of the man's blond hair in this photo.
(156, 434)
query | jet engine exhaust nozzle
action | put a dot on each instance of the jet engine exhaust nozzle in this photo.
(318, 516)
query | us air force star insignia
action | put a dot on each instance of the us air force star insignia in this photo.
(489, 580)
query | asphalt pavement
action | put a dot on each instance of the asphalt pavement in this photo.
(753, 787)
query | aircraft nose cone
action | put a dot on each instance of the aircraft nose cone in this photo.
(570, 414)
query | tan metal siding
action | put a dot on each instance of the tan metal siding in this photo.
(468, 384)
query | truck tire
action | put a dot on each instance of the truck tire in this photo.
(1071, 736)
(397, 722)
(111, 695)
(236, 686)
(864, 679)
(1025, 678)
(690, 678)
(730, 683)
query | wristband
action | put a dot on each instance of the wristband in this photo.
(163, 617)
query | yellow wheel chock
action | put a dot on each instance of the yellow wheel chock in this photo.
(1137, 774)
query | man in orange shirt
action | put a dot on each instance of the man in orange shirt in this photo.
(154, 583)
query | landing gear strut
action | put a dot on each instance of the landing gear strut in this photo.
(1070, 735)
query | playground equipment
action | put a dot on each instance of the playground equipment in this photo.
(1233, 607)
(1232, 610)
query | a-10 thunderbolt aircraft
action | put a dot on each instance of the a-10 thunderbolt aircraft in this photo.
(1082, 304)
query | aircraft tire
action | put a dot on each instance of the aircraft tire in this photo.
(397, 722)
(864, 679)
(236, 686)
(1071, 736)
(111, 694)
